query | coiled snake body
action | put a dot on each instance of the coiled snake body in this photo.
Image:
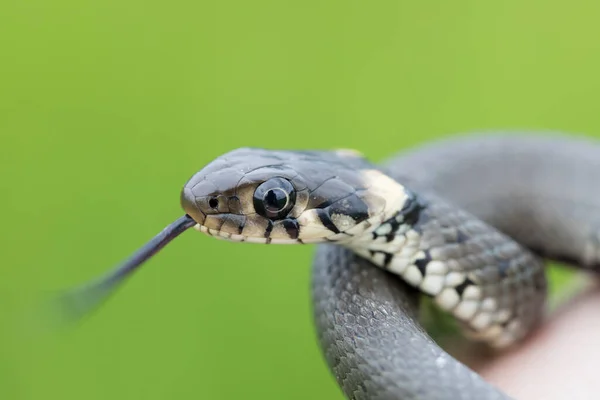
(465, 221)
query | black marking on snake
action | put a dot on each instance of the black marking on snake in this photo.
(241, 226)
(387, 259)
(390, 236)
(421, 263)
(461, 288)
(411, 211)
(394, 232)
(326, 220)
(268, 231)
(394, 224)
(291, 228)
(352, 206)
(410, 214)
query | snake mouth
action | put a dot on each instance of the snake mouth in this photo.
(310, 229)
(256, 229)
(233, 237)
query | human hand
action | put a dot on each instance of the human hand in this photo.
(558, 361)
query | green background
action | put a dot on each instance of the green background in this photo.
(107, 107)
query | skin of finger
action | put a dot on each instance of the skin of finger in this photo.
(560, 360)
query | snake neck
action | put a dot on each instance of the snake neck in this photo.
(395, 244)
(468, 267)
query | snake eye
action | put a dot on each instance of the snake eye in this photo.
(274, 198)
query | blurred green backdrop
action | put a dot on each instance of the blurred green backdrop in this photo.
(107, 107)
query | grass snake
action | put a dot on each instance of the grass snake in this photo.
(466, 222)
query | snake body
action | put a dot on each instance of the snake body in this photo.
(537, 189)
(466, 221)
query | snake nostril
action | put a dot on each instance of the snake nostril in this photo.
(213, 202)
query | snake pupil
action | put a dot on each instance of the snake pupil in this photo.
(274, 198)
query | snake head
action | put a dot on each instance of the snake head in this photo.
(269, 196)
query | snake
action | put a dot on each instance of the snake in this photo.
(467, 222)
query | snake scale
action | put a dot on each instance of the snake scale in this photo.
(467, 221)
